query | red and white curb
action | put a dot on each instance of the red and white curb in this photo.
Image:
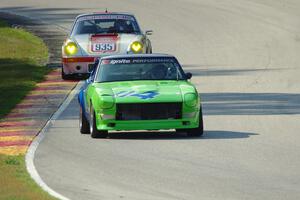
(29, 157)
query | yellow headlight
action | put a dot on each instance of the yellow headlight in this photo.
(71, 48)
(136, 47)
(190, 99)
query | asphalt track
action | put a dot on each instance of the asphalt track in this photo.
(244, 55)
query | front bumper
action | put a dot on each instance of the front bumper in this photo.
(78, 65)
(119, 125)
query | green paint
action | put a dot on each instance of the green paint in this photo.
(105, 96)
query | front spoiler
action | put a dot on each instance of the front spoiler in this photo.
(119, 125)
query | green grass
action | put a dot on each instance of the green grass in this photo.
(21, 58)
(15, 183)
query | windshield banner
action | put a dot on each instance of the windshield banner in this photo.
(106, 16)
(137, 60)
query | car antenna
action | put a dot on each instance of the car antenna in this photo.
(106, 10)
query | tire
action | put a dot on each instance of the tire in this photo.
(196, 132)
(63, 75)
(149, 50)
(84, 125)
(95, 133)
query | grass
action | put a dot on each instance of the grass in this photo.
(21, 58)
(15, 183)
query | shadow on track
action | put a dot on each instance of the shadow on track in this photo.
(171, 135)
(56, 15)
(219, 70)
(250, 103)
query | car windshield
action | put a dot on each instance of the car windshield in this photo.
(139, 69)
(101, 24)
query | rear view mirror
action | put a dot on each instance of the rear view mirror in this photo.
(188, 75)
(148, 32)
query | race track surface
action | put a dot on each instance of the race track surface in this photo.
(244, 55)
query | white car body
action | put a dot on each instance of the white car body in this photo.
(92, 45)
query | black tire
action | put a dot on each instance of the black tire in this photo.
(84, 125)
(197, 132)
(95, 133)
(149, 50)
(63, 75)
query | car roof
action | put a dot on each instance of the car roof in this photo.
(104, 13)
(153, 55)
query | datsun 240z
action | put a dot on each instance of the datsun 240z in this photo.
(139, 92)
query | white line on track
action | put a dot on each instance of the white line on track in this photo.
(29, 157)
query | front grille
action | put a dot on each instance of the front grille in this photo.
(148, 111)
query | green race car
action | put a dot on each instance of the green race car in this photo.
(139, 92)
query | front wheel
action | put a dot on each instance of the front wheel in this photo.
(83, 123)
(95, 133)
(197, 132)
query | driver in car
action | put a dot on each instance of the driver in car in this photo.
(158, 72)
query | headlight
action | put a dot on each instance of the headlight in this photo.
(71, 48)
(106, 102)
(136, 47)
(190, 99)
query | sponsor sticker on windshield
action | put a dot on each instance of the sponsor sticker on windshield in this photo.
(106, 16)
(137, 61)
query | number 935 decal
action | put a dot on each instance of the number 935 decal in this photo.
(103, 47)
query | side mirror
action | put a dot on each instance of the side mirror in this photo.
(148, 32)
(188, 75)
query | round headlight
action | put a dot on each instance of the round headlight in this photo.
(190, 99)
(106, 102)
(136, 47)
(71, 48)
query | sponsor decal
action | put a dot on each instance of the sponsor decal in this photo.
(144, 95)
(153, 60)
(119, 61)
(148, 60)
(106, 16)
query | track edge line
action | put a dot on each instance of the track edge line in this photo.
(29, 157)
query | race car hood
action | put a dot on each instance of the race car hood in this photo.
(123, 41)
(146, 91)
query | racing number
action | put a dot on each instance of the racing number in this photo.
(104, 47)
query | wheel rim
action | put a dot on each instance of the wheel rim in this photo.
(92, 122)
(80, 118)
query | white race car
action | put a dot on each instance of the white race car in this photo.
(100, 34)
